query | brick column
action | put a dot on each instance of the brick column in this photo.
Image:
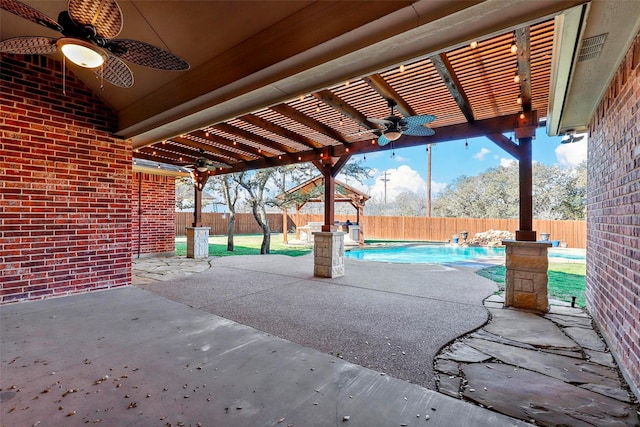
(328, 254)
(197, 242)
(526, 278)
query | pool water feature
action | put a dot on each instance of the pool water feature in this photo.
(442, 254)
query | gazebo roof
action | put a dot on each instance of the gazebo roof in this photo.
(315, 188)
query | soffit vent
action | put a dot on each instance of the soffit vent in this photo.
(591, 47)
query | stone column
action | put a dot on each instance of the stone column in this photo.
(328, 254)
(197, 242)
(526, 278)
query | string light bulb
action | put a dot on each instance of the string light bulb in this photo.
(402, 68)
(519, 100)
(473, 44)
(522, 116)
(516, 78)
(514, 48)
(318, 108)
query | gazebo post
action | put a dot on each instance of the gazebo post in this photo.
(297, 221)
(197, 235)
(285, 238)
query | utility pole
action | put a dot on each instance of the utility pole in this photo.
(385, 179)
(428, 181)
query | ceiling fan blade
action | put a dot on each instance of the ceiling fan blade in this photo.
(419, 120)
(29, 45)
(104, 15)
(116, 72)
(419, 131)
(27, 12)
(383, 140)
(146, 54)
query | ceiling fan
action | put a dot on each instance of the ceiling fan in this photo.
(570, 138)
(393, 127)
(88, 29)
(204, 165)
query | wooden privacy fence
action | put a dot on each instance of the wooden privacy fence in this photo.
(395, 227)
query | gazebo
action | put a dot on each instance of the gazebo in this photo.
(313, 191)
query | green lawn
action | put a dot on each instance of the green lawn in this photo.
(565, 280)
(245, 244)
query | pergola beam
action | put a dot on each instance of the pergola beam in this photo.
(335, 102)
(273, 146)
(385, 90)
(280, 130)
(523, 42)
(450, 79)
(309, 122)
(212, 149)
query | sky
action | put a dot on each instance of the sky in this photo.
(407, 168)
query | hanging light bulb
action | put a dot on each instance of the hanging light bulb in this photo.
(301, 97)
(341, 121)
(347, 83)
(514, 48)
(318, 108)
(522, 116)
(473, 44)
(402, 68)
(519, 100)
(516, 78)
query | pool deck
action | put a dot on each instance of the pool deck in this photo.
(223, 341)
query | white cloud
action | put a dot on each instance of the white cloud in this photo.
(437, 187)
(572, 154)
(481, 154)
(401, 179)
(505, 163)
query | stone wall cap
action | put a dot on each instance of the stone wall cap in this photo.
(511, 242)
(198, 228)
(328, 233)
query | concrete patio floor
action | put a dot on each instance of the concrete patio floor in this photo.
(255, 340)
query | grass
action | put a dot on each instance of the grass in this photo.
(245, 244)
(565, 280)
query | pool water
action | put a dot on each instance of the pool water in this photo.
(440, 254)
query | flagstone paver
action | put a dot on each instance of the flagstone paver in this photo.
(527, 328)
(544, 369)
(528, 395)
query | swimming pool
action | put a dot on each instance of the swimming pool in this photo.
(442, 254)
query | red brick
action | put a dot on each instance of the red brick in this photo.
(613, 231)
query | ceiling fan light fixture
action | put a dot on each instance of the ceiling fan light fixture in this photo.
(80, 52)
(392, 135)
(201, 165)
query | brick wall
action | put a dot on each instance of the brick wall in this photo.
(153, 227)
(613, 216)
(65, 185)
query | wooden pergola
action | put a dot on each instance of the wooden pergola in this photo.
(313, 191)
(472, 89)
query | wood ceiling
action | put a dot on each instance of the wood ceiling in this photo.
(471, 91)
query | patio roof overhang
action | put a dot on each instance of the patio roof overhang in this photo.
(320, 112)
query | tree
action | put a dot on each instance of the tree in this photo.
(184, 194)
(231, 192)
(557, 194)
(255, 183)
